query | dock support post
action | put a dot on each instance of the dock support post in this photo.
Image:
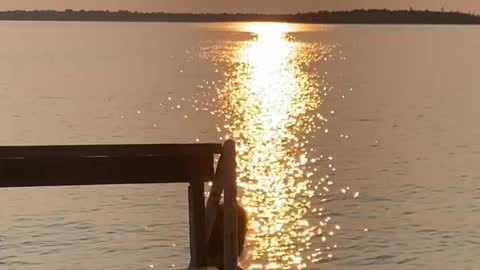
(196, 204)
(230, 204)
(214, 198)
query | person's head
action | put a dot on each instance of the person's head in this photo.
(215, 243)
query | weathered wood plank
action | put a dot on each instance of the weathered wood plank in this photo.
(121, 150)
(103, 170)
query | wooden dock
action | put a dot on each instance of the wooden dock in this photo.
(193, 164)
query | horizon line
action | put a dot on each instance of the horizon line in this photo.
(471, 13)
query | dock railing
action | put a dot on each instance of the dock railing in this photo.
(73, 165)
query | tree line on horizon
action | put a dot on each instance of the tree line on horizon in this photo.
(359, 16)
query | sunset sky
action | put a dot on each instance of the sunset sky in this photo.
(263, 6)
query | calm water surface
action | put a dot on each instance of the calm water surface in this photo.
(357, 144)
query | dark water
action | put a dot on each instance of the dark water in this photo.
(401, 104)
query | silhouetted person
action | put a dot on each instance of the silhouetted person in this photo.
(215, 244)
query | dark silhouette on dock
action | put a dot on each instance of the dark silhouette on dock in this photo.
(372, 16)
(216, 241)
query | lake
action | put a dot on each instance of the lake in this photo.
(358, 147)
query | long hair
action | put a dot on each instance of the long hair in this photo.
(215, 243)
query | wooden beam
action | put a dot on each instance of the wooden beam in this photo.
(121, 150)
(103, 170)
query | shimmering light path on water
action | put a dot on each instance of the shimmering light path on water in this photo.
(269, 102)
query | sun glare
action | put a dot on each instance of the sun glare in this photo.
(268, 98)
(269, 103)
(270, 31)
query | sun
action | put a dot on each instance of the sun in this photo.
(266, 30)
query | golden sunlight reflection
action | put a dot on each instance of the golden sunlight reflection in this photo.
(269, 103)
(266, 94)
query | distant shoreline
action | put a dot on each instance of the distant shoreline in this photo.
(373, 16)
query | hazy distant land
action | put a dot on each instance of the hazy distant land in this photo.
(339, 17)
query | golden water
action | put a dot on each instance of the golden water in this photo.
(270, 102)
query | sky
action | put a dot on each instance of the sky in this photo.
(256, 6)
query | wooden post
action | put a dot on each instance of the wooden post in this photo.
(214, 198)
(191, 228)
(230, 206)
(196, 201)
